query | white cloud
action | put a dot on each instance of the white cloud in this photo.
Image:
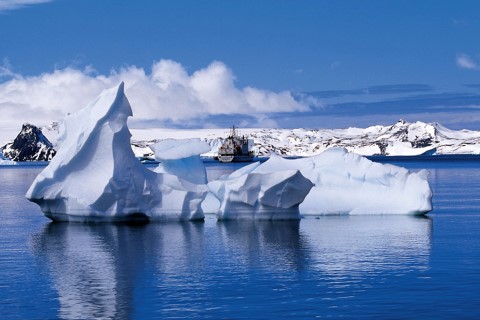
(464, 61)
(168, 93)
(17, 4)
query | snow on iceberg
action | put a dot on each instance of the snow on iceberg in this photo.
(347, 183)
(268, 195)
(181, 157)
(96, 177)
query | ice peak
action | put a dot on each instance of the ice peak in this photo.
(96, 177)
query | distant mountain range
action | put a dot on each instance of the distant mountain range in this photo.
(400, 139)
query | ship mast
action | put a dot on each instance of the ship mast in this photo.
(234, 132)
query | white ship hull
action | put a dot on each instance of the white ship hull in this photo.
(235, 158)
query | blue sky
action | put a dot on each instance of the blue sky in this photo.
(316, 64)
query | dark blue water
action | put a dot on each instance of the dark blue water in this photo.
(367, 267)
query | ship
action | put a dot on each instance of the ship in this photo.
(236, 148)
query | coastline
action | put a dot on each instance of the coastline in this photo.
(374, 158)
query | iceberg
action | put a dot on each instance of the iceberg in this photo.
(96, 177)
(271, 194)
(347, 183)
(181, 157)
(334, 182)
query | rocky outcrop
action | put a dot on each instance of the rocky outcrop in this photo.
(29, 145)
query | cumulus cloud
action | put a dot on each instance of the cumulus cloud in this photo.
(464, 61)
(6, 5)
(167, 94)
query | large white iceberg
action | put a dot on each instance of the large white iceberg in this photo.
(267, 195)
(347, 183)
(96, 177)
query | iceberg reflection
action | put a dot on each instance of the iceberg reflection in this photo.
(97, 268)
(270, 244)
(347, 245)
(91, 277)
(105, 271)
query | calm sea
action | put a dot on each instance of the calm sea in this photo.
(363, 267)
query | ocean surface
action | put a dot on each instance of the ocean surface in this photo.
(361, 267)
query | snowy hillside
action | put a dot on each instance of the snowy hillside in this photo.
(402, 138)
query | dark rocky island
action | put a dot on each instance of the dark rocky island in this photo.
(29, 145)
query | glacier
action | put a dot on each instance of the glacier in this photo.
(96, 177)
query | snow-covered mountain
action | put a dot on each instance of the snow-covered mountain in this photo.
(29, 145)
(402, 138)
